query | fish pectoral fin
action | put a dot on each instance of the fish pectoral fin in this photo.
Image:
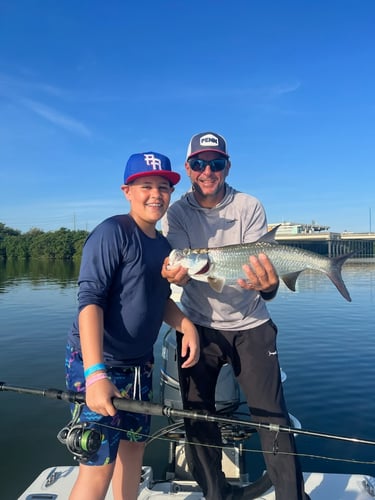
(216, 284)
(290, 280)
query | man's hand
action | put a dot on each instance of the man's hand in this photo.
(177, 275)
(261, 275)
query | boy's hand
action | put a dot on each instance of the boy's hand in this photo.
(99, 397)
(190, 348)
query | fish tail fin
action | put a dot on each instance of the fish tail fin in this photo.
(334, 274)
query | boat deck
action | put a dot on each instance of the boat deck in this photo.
(56, 483)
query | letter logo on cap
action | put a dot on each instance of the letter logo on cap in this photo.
(153, 162)
(209, 140)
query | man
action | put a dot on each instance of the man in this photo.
(234, 326)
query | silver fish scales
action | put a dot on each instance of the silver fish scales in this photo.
(223, 265)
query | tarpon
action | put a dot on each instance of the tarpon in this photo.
(223, 265)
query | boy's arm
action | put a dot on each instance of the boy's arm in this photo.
(190, 340)
(99, 393)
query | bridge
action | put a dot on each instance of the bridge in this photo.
(327, 243)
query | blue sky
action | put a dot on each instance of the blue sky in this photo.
(84, 84)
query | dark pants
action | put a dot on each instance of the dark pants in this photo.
(253, 356)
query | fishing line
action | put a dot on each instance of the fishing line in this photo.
(261, 452)
(166, 434)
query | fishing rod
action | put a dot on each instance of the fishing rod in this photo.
(155, 409)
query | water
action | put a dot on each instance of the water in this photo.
(326, 347)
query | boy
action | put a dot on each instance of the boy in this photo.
(123, 301)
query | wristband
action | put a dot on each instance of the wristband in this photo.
(96, 378)
(94, 368)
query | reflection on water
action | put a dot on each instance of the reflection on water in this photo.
(38, 271)
(326, 347)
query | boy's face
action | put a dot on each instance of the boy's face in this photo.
(149, 198)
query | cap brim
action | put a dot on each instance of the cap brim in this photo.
(173, 177)
(206, 150)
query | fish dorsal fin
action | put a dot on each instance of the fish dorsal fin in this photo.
(216, 284)
(290, 280)
(270, 236)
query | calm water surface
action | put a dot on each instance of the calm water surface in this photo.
(326, 347)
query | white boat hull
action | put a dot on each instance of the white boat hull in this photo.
(56, 483)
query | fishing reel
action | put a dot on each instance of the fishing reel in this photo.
(82, 442)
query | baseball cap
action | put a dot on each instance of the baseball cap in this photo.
(207, 141)
(150, 163)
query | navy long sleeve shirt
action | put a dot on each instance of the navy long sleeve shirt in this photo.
(121, 273)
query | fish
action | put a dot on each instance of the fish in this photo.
(219, 266)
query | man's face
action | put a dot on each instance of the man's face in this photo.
(208, 179)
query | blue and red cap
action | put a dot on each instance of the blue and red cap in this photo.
(150, 163)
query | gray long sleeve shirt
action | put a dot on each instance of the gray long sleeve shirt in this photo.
(238, 218)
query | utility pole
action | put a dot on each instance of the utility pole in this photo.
(369, 216)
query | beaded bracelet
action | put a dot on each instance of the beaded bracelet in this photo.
(96, 378)
(94, 368)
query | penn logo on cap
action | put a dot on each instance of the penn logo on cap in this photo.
(207, 141)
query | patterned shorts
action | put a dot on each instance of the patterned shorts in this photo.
(124, 425)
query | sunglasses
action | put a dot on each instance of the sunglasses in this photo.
(199, 165)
